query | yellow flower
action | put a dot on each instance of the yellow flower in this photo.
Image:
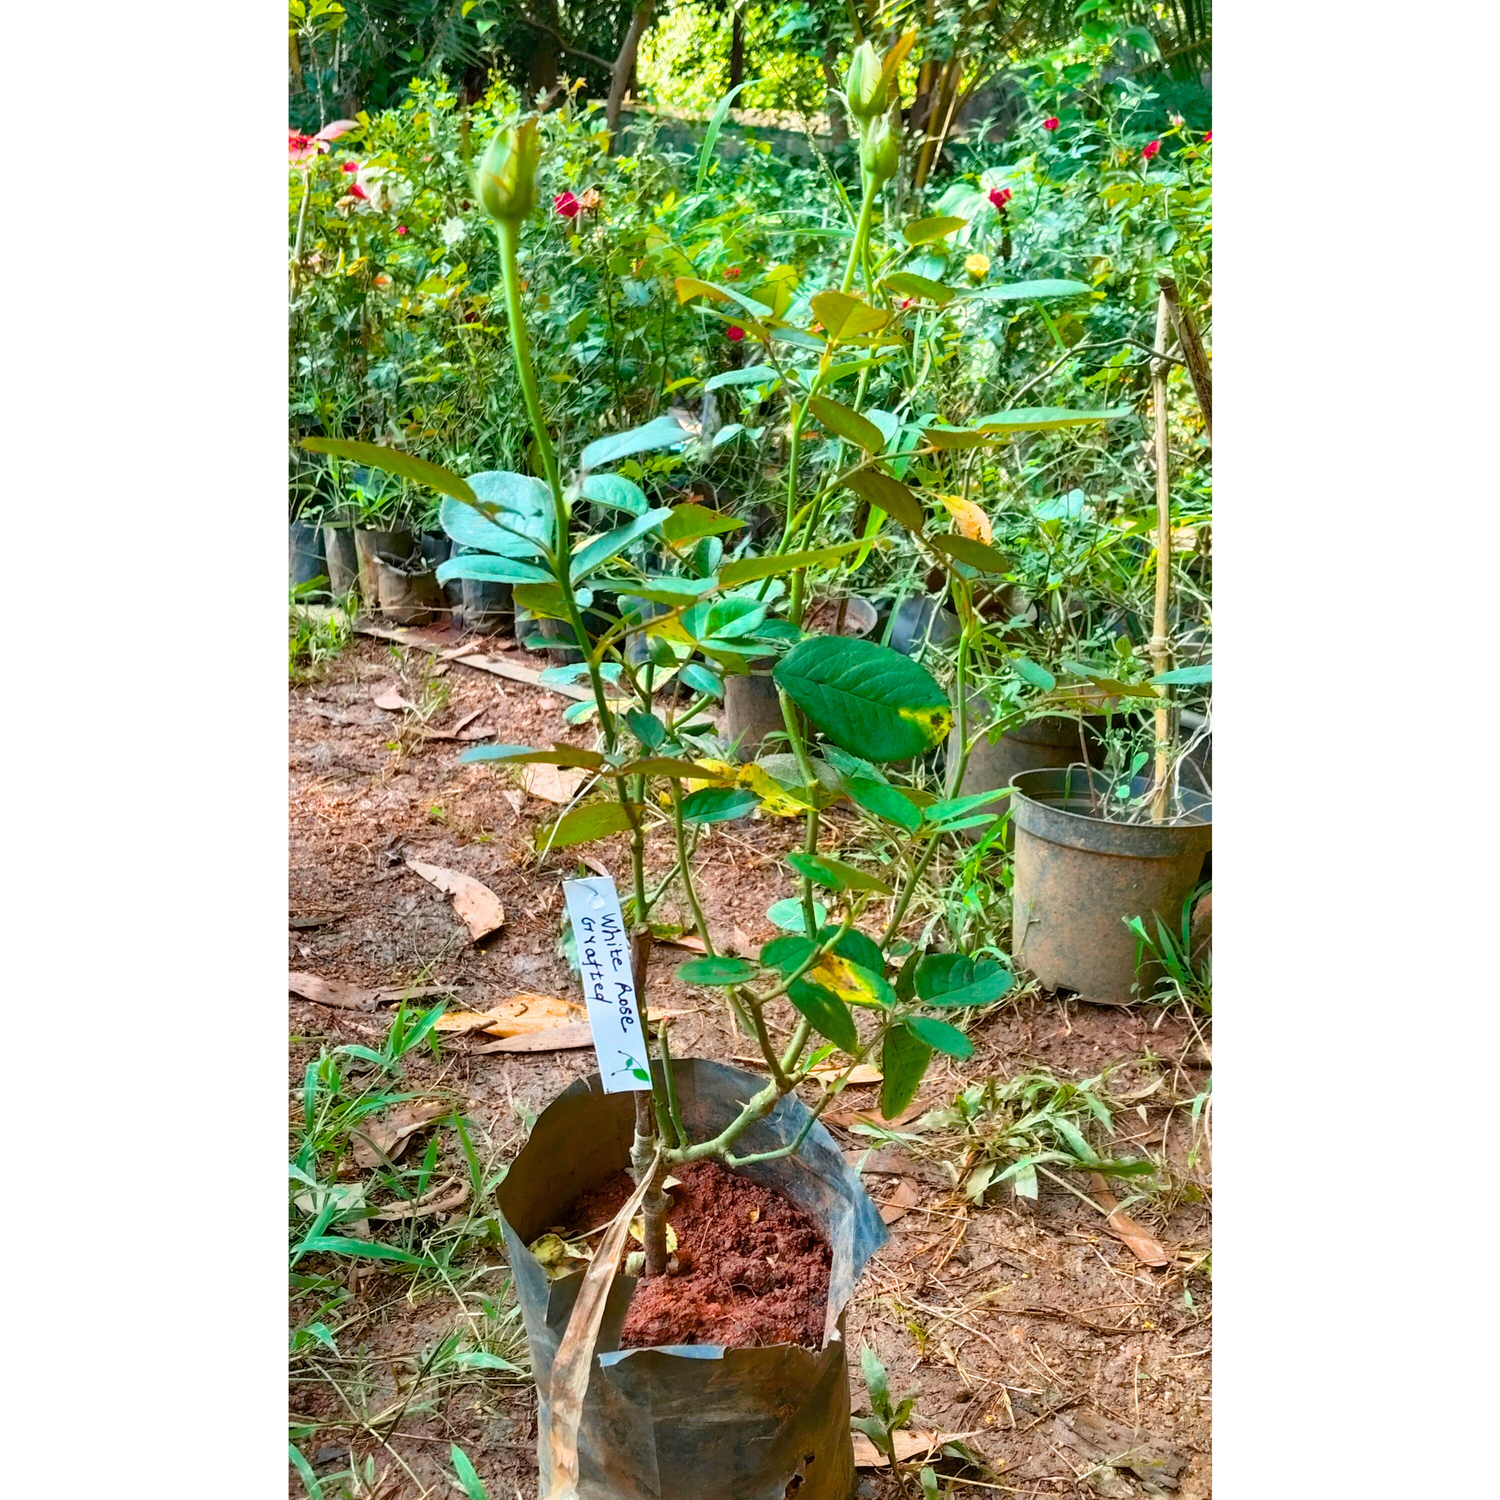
(978, 266)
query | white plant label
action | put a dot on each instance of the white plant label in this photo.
(608, 983)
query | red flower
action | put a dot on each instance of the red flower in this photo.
(302, 147)
(905, 302)
(567, 205)
(731, 273)
(1000, 197)
(296, 145)
(356, 191)
(734, 334)
(1150, 149)
(402, 229)
(1051, 123)
(350, 166)
(1208, 137)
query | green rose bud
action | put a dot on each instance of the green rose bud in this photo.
(506, 179)
(880, 147)
(864, 85)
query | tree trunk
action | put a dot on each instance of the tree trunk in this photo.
(624, 69)
(737, 48)
(541, 70)
(838, 125)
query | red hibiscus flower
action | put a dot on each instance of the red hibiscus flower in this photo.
(350, 166)
(1150, 149)
(1051, 123)
(402, 229)
(1208, 137)
(567, 205)
(734, 334)
(304, 147)
(1000, 197)
(356, 191)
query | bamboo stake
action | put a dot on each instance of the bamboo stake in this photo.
(1160, 657)
(1192, 352)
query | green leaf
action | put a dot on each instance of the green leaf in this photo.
(720, 971)
(875, 1378)
(488, 568)
(701, 680)
(940, 1036)
(906, 284)
(1186, 676)
(889, 495)
(903, 1060)
(305, 1473)
(787, 952)
(748, 569)
(1029, 672)
(884, 801)
(835, 875)
(1047, 418)
(1029, 291)
(866, 698)
(583, 824)
(711, 135)
(974, 554)
(546, 599)
(527, 507)
(718, 804)
(749, 375)
(521, 755)
(944, 979)
(393, 461)
(614, 490)
(664, 432)
(925, 231)
(857, 947)
(829, 1015)
(665, 765)
(955, 807)
(846, 317)
(472, 1483)
(847, 424)
(1074, 1140)
(686, 523)
(601, 549)
(335, 1244)
(788, 915)
(647, 728)
(689, 287)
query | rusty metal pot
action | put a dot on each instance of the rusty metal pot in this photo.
(1080, 877)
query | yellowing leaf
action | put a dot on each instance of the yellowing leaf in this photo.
(638, 1233)
(972, 522)
(722, 768)
(934, 722)
(836, 974)
(773, 798)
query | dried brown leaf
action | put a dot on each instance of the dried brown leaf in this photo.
(910, 1442)
(477, 904)
(439, 1200)
(557, 784)
(388, 1138)
(901, 1202)
(391, 700)
(554, 1039)
(1145, 1247)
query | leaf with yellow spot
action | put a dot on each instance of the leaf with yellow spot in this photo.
(721, 770)
(852, 983)
(774, 798)
(972, 522)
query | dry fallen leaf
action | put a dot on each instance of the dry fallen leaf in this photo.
(1145, 1247)
(391, 700)
(456, 732)
(356, 997)
(524, 1012)
(901, 1202)
(909, 1442)
(390, 1137)
(970, 520)
(844, 1118)
(477, 904)
(860, 1073)
(555, 1039)
(553, 783)
(516, 799)
(439, 1200)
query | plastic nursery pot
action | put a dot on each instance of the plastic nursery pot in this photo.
(436, 549)
(399, 546)
(486, 605)
(1051, 741)
(305, 560)
(692, 1422)
(553, 630)
(1080, 877)
(343, 561)
(752, 710)
(919, 621)
(408, 596)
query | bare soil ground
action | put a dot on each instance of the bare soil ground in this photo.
(1034, 1334)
